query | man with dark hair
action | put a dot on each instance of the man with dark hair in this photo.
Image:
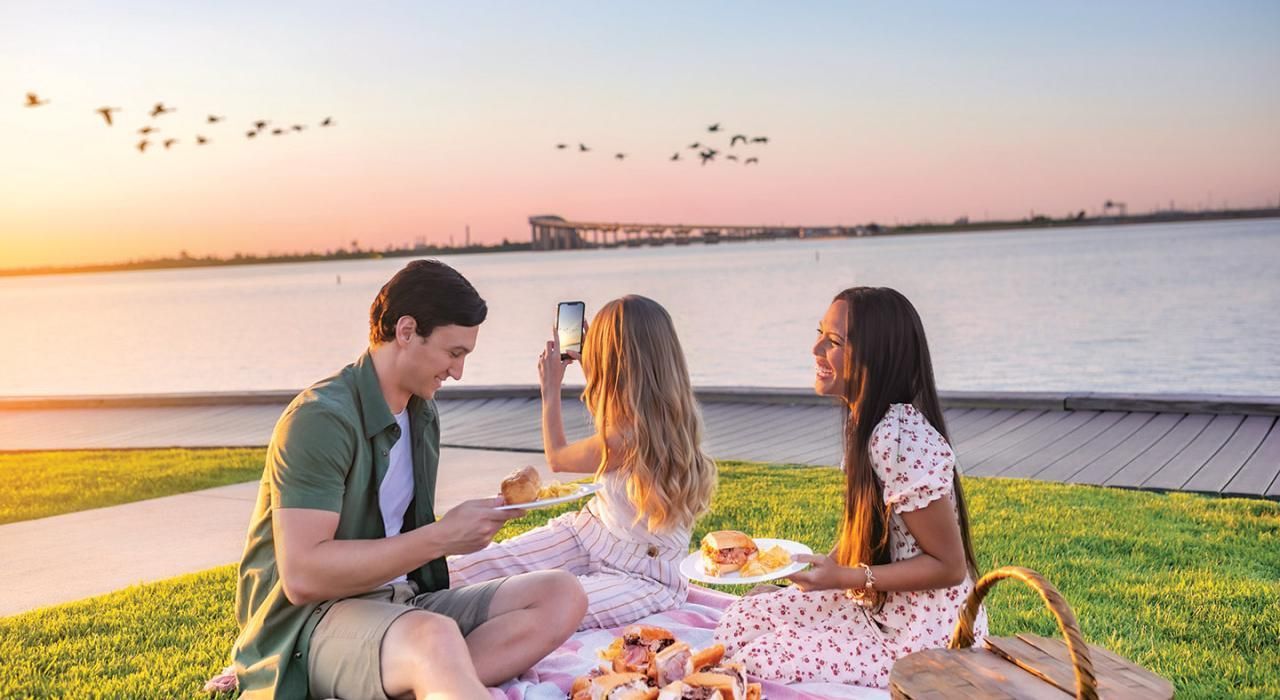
(343, 587)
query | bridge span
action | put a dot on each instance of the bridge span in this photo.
(555, 233)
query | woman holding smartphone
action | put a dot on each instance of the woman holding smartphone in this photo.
(626, 544)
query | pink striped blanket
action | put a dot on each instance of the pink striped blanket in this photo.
(692, 623)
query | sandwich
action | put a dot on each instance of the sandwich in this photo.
(726, 682)
(521, 486)
(635, 649)
(613, 686)
(726, 551)
(678, 661)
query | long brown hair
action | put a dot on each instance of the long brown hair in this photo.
(886, 362)
(638, 386)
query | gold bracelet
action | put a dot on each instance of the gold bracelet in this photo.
(865, 595)
(871, 578)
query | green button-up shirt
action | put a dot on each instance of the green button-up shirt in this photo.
(330, 451)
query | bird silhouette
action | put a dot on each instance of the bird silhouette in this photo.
(708, 155)
(161, 109)
(328, 121)
(695, 145)
(562, 146)
(297, 127)
(106, 113)
(737, 137)
(260, 125)
(277, 132)
(714, 127)
(760, 139)
(142, 146)
(146, 130)
(751, 160)
(734, 158)
(582, 148)
(169, 142)
(200, 140)
(34, 100)
(675, 156)
(250, 133)
(214, 119)
(619, 156)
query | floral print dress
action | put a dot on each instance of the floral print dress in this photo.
(823, 636)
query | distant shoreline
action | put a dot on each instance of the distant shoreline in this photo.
(961, 226)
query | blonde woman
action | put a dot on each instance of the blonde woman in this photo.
(625, 545)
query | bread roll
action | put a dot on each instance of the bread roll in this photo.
(521, 486)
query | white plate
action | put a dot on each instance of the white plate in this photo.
(583, 491)
(691, 566)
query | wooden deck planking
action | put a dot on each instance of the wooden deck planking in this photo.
(1039, 454)
(1046, 426)
(1109, 463)
(1117, 433)
(1010, 423)
(1186, 463)
(1215, 474)
(1152, 459)
(1262, 467)
(785, 423)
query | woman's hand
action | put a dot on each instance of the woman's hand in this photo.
(824, 574)
(762, 589)
(551, 367)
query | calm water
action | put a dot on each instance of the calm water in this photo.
(1160, 308)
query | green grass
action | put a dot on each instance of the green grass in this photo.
(1184, 585)
(40, 484)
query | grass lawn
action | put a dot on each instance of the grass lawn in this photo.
(40, 484)
(1185, 585)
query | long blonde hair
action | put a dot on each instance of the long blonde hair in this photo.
(638, 387)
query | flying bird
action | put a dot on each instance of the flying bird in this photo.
(200, 140)
(708, 155)
(695, 145)
(250, 134)
(169, 142)
(714, 127)
(619, 156)
(733, 158)
(277, 132)
(142, 146)
(161, 109)
(760, 139)
(106, 113)
(297, 127)
(214, 119)
(582, 148)
(675, 156)
(146, 130)
(328, 121)
(737, 137)
(260, 125)
(751, 160)
(562, 146)
(34, 100)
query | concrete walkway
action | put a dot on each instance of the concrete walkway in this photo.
(68, 557)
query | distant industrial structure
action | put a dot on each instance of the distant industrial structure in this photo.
(555, 233)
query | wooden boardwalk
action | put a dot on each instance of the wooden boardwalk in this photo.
(1204, 444)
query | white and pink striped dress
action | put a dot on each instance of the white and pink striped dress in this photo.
(627, 571)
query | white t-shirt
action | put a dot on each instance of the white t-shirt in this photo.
(396, 489)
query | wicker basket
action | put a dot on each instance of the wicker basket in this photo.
(1025, 666)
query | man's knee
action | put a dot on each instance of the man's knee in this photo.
(567, 588)
(419, 632)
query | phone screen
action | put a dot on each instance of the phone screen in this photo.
(569, 318)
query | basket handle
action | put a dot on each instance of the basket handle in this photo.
(962, 637)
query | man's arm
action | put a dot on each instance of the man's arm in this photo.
(314, 566)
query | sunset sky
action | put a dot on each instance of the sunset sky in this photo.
(447, 115)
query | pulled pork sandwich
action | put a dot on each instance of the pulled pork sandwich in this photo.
(727, 682)
(635, 650)
(678, 660)
(613, 686)
(726, 551)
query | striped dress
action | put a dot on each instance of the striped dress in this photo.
(627, 571)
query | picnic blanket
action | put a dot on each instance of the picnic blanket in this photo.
(692, 623)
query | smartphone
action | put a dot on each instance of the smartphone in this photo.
(571, 316)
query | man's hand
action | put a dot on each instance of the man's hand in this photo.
(825, 574)
(471, 525)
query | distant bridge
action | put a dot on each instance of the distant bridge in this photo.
(554, 233)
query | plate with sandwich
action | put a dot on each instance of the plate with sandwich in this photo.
(730, 556)
(523, 489)
(649, 663)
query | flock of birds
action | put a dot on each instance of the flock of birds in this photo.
(704, 151)
(150, 131)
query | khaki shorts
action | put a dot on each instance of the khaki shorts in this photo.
(345, 656)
